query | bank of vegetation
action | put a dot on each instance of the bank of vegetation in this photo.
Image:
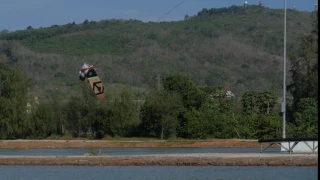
(203, 53)
(242, 48)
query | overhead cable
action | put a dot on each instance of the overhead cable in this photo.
(171, 10)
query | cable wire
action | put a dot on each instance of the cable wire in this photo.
(171, 10)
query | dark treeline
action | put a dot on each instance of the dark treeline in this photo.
(179, 109)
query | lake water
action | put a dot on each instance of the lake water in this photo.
(157, 173)
(130, 151)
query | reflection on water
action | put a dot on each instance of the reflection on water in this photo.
(129, 151)
(157, 172)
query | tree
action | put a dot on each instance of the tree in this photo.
(56, 107)
(214, 92)
(258, 102)
(191, 96)
(245, 126)
(85, 22)
(159, 114)
(250, 102)
(216, 121)
(267, 126)
(29, 28)
(13, 90)
(4, 31)
(267, 100)
(79, 111)
(305, 119)
(304, 70)
(42, 122)
(74, 115)
(196, 125)
(124, 114)
(102, 120)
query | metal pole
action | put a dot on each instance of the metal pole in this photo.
(158, 78)
(284, 74)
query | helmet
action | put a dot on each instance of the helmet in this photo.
(82, 78)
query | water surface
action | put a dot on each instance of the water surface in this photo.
(129, 151)
(157, 173)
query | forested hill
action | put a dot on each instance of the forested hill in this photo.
(232, 46)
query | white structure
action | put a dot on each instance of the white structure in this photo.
(316, 7)
(298, 145)
(303, 146)
(245, 3)
(229, 94)
(28, 108)
(294, 7)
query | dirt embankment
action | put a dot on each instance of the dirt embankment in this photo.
(207, 159)
(65, 144)
(211, 159)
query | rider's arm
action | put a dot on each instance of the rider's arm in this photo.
(83, 69)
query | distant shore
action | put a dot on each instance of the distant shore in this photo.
(203, 159)
(66, 144)
(198, 159)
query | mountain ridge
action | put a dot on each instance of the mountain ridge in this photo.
(232, 46)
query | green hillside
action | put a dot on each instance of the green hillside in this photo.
(232, 46)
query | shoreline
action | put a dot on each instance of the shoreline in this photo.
(194, 159)
(199, 159)
(74, 144)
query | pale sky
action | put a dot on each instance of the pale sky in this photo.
(18, 14)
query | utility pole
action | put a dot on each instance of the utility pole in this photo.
(158, 78)
(162, 131)
(283, 104)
